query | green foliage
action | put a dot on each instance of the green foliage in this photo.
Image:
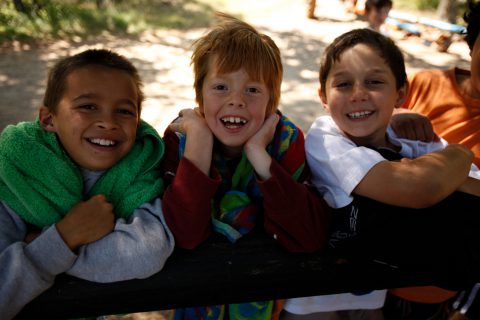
(416, 4)
(427, 7)
(55, 19)
(427, 4)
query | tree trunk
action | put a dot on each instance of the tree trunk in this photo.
(34, 7)
(102, 4)
(311, 9)
(447, 10)
(20, 6)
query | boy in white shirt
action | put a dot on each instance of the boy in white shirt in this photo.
(404, 212)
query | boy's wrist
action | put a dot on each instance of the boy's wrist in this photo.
(67, 235)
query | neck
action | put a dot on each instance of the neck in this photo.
(464, 83)
(231, 152)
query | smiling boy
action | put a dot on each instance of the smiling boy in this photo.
(80, 187)
(235, 164)
(97, 138)
(404, 212)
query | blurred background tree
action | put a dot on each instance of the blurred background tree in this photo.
(43, 20)
(446, 10)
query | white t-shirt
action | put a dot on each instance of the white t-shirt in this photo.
(336, 302)
(337, 166)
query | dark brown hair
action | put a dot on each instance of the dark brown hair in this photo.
(57, 77)
(472, 18)
(385, 47)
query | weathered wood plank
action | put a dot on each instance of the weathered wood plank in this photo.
(254, 269)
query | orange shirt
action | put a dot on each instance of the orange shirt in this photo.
(454, 117)
(425, 294)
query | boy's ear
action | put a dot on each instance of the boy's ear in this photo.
(323, 99)
(402, 95)
(46, 119)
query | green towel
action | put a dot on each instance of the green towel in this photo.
(40, 182)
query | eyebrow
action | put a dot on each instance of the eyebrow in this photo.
(86, 96)
(368, 71)
(94, 95)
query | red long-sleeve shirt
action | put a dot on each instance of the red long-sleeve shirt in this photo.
(293, 213)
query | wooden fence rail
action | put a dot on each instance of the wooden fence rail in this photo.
(217, 272)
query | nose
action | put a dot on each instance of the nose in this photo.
(236, 99)
(107, 121)
(359, 93)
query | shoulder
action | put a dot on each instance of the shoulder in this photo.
(325, 124)
(323, 128)
(429, 76)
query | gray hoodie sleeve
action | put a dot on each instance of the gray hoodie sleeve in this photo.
(137, 248)
(26, 270)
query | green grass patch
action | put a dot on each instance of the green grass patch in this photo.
(82, 18)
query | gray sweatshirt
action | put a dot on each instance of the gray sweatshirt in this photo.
(136, 248)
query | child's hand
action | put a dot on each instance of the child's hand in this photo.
(87, 222)
(199, 145)
(190, 121)
(413, 126)
(263, 136)
(255, 148)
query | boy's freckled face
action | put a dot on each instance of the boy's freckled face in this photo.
(234, 107)
(97, 117)
(361, 95)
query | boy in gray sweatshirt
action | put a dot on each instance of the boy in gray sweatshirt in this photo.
(80, 187)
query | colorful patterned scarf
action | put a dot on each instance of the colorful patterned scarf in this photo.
(235, 210)
(241, 311)
(39, 181)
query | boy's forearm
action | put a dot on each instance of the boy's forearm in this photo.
(28, 270)
(441, 173)
(295, 214)
(471, 186)
(187, 204)
(449, 167)
(198, 149)
(260, 160)
(137, 248)
(420, 182)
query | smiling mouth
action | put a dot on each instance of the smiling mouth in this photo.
(359, 115)
(233, 122)
(102, 142)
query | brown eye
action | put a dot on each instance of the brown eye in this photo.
(87, 106)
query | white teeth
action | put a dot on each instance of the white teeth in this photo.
(102, 142)
(358, 115)
(234, 120)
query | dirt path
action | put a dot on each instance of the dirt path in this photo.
(163, 60)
